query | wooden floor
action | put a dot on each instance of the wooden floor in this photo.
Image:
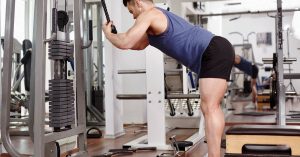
(100, 146)
(97, 147)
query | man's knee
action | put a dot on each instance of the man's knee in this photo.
(209, 107)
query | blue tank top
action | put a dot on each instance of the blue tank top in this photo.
(182, 41)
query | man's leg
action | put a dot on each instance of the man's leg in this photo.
(212, 91)
(254, 90)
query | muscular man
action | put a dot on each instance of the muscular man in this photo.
(251, 70)
(210, 56)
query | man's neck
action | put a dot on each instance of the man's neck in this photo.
(148, 6)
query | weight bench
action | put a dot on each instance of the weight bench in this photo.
(263, 140)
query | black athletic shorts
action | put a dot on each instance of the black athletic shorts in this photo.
(217, 59)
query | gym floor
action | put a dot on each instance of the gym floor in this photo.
(100, 146)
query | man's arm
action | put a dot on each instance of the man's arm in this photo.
(134, 36)
(249, 69)
(142, 44)
(254, 90)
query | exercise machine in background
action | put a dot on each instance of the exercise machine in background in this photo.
(93, 65)
(240, 88)
(20, 99)
(62, 91)
(279, 140)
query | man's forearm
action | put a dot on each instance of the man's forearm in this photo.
(118, 40)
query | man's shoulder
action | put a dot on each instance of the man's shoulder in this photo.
(152, 13)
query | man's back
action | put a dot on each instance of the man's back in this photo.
(182, 41)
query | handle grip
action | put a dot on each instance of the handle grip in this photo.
(113, 29)
(147, 148)
(90, 30)
(54, 20)
(26, 57)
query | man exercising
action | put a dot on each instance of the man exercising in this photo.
(210, 56)
(251, 70)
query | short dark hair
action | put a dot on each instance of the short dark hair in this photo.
(125, 2)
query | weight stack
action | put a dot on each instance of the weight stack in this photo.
(61, 92)
(60, 50)
(61, 102)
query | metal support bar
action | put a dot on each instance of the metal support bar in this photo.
(139, 71)
(89, 62)
(284, 59)
(267, 62)
(131, 96)
(17, 73)
(99, 47)
(247, 12)
(88, 27)
(17, 82)
(183, 96)
(79, 76)
(143, 71)
(291, 76)
(37, 87)
(60, 135)
(155, 97)
(94, 111)
(26, 20)
(280, 82)
(169, 96)
(87, 56)
(290, 93)
(0, 77)
(6, 82)
(89, 44)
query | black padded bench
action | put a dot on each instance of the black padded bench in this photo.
(263, 139)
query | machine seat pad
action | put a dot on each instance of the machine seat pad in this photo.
(255, 155)
(183, 144)
(264, 130)
(267, 149)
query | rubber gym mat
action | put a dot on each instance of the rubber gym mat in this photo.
(254, 113)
